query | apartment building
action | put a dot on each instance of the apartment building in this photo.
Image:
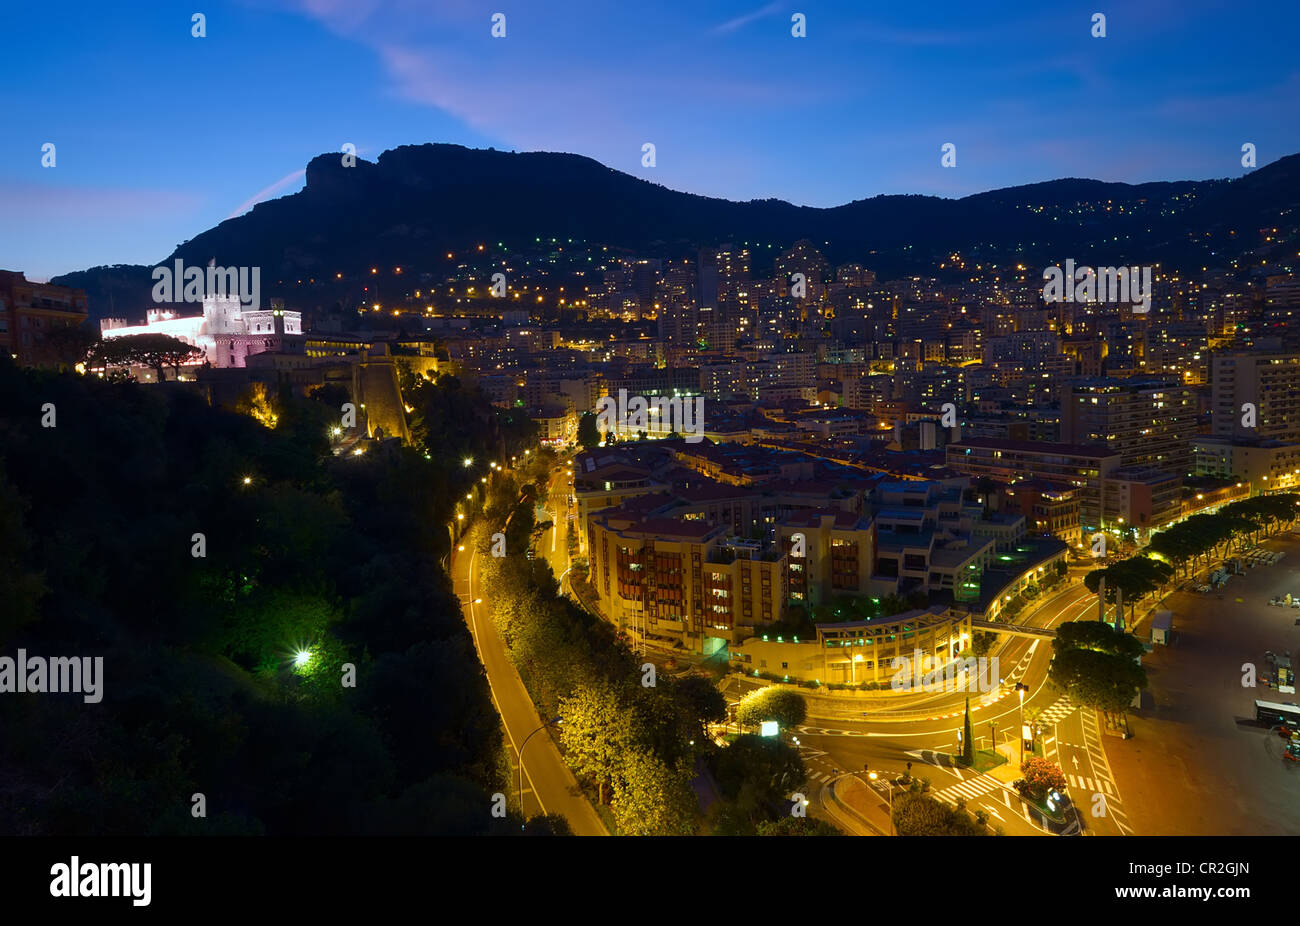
(683, 581)
(1270, 382)
(1081, 467)
(1148, 422)
(829, 552)
(29, 311)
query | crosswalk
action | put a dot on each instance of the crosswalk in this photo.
(818, 765)
(994, 799)
(1092, 736)
(1060, 709)
(1091, 784)
(969, 789)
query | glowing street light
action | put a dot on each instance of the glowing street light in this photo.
(301, 658)
(469, 461)
(873, 776)
(520, 754)
(1021, 688)
(248, 480)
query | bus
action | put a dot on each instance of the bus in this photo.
(1283, 676)
(1274, 714)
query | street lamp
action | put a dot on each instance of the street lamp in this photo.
(873, 776)
(548, 723)
(1021, 688)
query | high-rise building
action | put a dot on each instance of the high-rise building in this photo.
(1270, 382)
(1148, 422)
(1084, 468)
(708, 278)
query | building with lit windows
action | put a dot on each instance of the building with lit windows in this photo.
(1265, 465)
(682, 581)
(226, 332)
(1148, 422)
(859, 652)
(1082, 467)
(828, 553)
(1268, 381)
(29, 311)
(1051, 509)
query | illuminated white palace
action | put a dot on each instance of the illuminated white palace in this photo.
(225, 332)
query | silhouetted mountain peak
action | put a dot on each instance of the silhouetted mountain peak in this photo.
(416, 202)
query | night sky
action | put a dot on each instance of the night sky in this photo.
(161, 135)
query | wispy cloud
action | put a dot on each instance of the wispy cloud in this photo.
(267, 193)
(732, 25)
(68, 202)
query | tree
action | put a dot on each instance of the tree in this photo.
(547, 824)
(598, 736)
(1040, 777)
(1135, 578)
(788, 708)
(150, 350)
(758, 774)
(1098, 680)
(726, 818)
(797, 826)
(981, 642)
(922, 815)
(702, 701)
(20, 589)
(968, 739)
(652, 798)
(338, 558)
(1097, 635)
(66, 345)
(1097, 665)
(258, 405)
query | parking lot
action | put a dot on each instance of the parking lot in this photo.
(1197, 759)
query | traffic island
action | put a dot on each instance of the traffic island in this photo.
(866, 806)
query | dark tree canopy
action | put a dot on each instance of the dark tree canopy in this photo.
(303, 553)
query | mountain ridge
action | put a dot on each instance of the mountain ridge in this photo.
(415, 202)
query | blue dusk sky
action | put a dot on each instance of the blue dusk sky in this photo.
(160, 135)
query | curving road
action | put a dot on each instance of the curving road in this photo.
(548, 783)
(1072, 740)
